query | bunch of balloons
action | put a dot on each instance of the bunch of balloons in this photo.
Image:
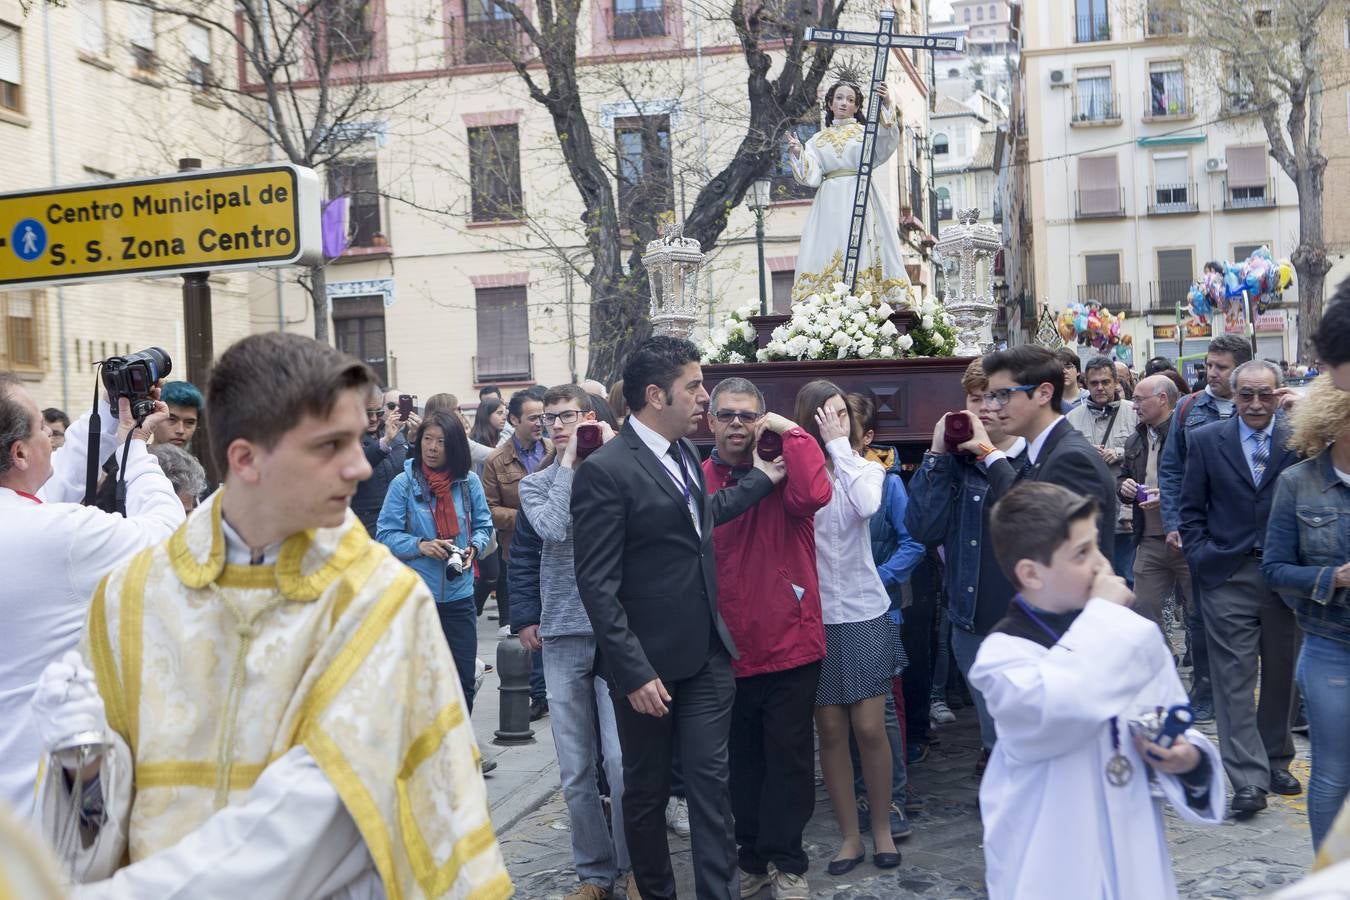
(1222, 285)
(1092, 324)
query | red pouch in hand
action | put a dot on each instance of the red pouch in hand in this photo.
(956, 431)
(769, 446)
(588, 440)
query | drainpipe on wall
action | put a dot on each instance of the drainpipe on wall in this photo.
(55, 178)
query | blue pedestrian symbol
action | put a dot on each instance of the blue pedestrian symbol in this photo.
(28, 239)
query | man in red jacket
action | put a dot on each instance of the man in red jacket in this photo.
(769, 597)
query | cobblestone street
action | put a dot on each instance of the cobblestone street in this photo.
(943, 858)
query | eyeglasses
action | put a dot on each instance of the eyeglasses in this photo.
(391, 406)
(999, 398)
(1248, 395)
(744, 416)
(535, 419)
(567, 417)
(374, 414)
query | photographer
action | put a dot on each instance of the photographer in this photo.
(385, 444)
(435, 518)
(55, 553)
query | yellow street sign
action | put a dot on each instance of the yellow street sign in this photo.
(194, 221)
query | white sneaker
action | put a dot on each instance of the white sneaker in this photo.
(479, 670)
(677, 816)
(751, 884)
(504, 631)
(940, 713)
(786, 886)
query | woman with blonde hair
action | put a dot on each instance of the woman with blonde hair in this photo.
(1306, 559)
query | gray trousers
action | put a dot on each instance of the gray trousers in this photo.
(1159, 571)
(1245, 622)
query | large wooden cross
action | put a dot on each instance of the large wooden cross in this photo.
(883, 40)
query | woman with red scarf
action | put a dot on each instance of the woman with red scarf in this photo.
(436, 519)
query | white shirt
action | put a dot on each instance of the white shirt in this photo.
(850, 588)
(1033, 448)
(661, 448)
(53, 556)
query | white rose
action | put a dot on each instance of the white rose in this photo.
(926, 323)
(840, 289)
(747, 310)
(814, 300)
(780, 333)
(841, 340)
(797, 346)
(885, 310)
(886, 351)
(734, 357)
(843, 351)
(866, 347)
(866, 298)
(887, 329)
(860, 319)
(870, 329)
(813, 348)
(904, 342)
(852, 303)
(762, 355)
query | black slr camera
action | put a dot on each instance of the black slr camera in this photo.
(133, 376)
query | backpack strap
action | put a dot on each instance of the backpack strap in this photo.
(1185, 407)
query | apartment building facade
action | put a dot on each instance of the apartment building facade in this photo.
(1130, 169)
(91, 91)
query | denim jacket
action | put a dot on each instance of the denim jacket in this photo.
(1172, 464)
(933, 518)
(1307, 538)
(406, 519)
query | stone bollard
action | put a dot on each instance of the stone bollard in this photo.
(513, 671)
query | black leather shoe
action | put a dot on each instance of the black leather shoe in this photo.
(538, 709)
(844, 866)
(1281, 782)
(886, 860)
(1248, 800)
(1203, 710)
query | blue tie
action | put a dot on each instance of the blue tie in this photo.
(1260, 456)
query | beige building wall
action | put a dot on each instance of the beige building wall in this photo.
(111, 119)
(1336, 148)
(437, 258)
(1065, 125)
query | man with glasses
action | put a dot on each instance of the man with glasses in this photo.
(581, 712)
(1108, 422)
(768, 594)
(1231, 471)
(1214, 403)
(1025, 392)
(386, 447)
(1159, 569)
(524, 453)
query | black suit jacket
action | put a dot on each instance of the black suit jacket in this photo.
(647, 578)
(1069, 460)
(1223, 513)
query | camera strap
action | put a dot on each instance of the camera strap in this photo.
(92, 460)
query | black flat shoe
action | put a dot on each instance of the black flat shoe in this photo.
(886, 860)
(844, 866)
(1281, 782)
(1248, 800)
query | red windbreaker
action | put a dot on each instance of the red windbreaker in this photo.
(767, 588)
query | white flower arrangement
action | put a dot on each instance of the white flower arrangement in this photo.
(838, 325)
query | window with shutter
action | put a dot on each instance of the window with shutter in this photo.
(494, 173)
(359, 180)
(1171, 183)
(1176, 271)
(141, 36)
(24, 318)
(1167, 89)
(1247, 180)
(198, 41)
(646, 179)
(11, 68)
(503, 335)
(93, 16)
(358, 328)
(1099, 187)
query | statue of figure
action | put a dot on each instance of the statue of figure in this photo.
(829, 163)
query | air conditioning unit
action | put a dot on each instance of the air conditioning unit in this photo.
(1215, 164)
(1058, 78)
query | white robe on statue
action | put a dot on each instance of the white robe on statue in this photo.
(829, 163)
(1053, 825)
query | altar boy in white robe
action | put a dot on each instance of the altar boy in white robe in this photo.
(1066, 800)
(282, 716)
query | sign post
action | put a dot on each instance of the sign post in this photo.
(194, 221)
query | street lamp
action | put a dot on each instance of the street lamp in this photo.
(758, 198)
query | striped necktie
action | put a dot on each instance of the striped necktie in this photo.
(1260, 456)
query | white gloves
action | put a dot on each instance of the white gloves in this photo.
(67, 703)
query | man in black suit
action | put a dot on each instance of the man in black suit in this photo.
(1231, 470)
(643, 531)
(1024, 394)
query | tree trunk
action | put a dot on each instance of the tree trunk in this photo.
(318, 296)
(1309, 259)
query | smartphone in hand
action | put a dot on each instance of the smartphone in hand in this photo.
(405, 406)
(769, 446)
(588, 440)
(956, 431)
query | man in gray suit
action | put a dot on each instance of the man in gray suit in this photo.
(1231, 470)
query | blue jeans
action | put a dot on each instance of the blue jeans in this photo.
(1123, 561)
(1324, 678)
(965, 644)
(459, 623)
(899, 774)
(538, 680)
(578, 702)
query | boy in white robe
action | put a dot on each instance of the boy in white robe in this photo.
(1066, 800)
